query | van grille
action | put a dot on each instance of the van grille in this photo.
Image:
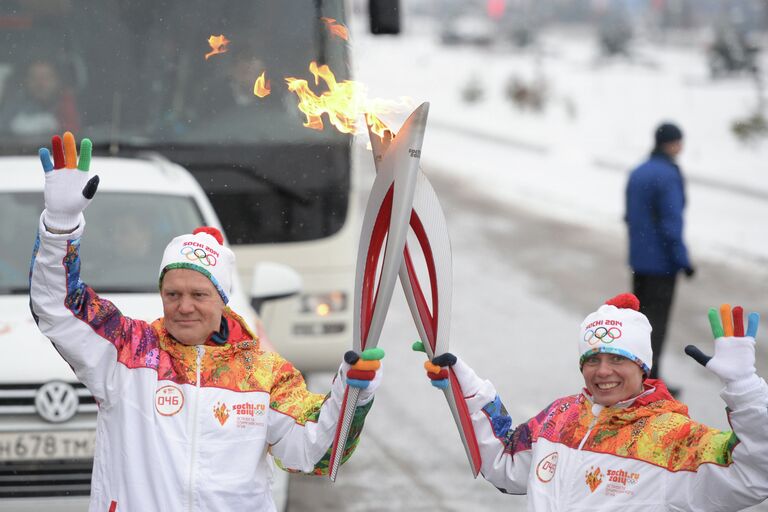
(44, 479)
(19, 399)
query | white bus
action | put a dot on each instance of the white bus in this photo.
(140, 77)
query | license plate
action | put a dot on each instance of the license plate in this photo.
(72, 444)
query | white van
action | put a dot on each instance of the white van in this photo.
(47, 418)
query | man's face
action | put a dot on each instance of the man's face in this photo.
(673, 148)
(611, 378)
(191, 305)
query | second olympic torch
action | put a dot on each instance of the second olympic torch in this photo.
(432, 317)
(385, 225)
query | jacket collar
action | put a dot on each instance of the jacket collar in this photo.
(235, 333)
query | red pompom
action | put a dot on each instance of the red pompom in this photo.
(625, 301)
(215, 233)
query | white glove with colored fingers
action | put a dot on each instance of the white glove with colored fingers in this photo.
(734, 359)
(69, 186)
(363, 371)
(437, 371)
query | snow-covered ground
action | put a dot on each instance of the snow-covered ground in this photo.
(516, 308)
(571, 160)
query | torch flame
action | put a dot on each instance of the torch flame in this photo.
(262, 87)
(378, 126)
(344, 103)
(336, 28)
(218, 45)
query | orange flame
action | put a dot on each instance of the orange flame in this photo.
(262, 87)
(218, 45)
(336, 28)
(344, 103)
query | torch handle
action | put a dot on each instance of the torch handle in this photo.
(342, 429)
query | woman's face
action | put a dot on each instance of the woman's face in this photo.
(611, 378)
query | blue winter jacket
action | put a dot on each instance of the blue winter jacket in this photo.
(655, 202)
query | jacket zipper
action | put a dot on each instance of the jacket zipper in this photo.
(592, 424)
(195, 419)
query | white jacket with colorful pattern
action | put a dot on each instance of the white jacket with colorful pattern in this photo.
(645, 454)
(180, 428)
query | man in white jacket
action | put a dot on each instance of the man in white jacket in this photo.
(624, 443)
(189, 405)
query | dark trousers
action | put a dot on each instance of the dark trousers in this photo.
(655, 294)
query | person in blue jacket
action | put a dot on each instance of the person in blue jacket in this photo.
(655, 199)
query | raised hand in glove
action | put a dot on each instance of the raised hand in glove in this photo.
(437, 371)
(734, 359)
(69, 186)
(363, 370)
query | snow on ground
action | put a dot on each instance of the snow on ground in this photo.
(509, 315)
(571, 161)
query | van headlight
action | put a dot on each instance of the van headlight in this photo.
(323, 304)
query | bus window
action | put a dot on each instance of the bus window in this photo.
(132, 76)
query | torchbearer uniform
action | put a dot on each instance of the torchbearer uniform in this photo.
(643, 454)
(180, 427)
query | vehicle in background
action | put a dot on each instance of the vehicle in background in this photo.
(465, 22)
(475, 30)
(134, 77)
(47, 418)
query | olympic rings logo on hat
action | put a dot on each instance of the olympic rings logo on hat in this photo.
(602, 334)
(199, 255)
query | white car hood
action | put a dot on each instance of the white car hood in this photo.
(28, 356)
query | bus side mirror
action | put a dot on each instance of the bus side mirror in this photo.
(273, 281)
(385, 16)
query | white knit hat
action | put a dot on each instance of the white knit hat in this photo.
(204, 252)
(618, 327)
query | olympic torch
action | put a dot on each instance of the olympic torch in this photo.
(387, 216)
(429, 226)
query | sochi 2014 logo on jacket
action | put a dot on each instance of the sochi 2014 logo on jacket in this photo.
(246, 414)
(621, 482)
(618, 481)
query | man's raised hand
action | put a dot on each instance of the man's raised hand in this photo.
(69, 187)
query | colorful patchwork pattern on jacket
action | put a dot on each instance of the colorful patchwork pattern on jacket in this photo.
(323, 465)
(239, 364)
(655, 429)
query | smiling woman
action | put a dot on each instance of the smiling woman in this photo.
(624, 442)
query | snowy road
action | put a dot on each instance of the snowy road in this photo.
(523, 283)
(534, 206)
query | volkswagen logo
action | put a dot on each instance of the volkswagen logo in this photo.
(56, 401)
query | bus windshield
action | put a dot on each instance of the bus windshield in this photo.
(137, 70)
(134, 76)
